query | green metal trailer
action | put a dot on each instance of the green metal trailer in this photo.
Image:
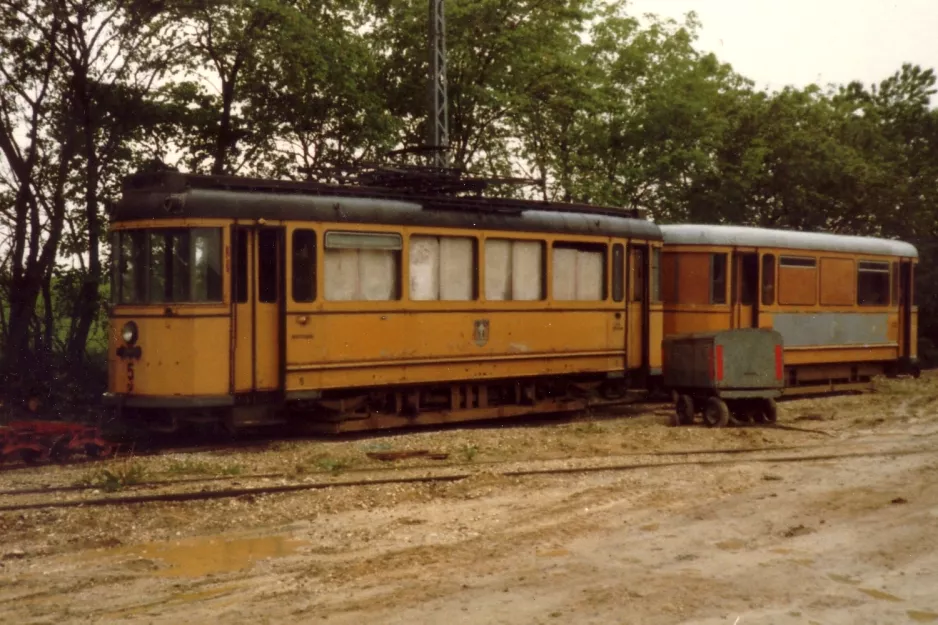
(730, 377)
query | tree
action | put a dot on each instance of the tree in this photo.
(72, 73)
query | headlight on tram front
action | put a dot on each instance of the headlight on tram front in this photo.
(129, 333)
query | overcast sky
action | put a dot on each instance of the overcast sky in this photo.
(797, 42)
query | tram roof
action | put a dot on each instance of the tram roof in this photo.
(690, 234)
(171, 195)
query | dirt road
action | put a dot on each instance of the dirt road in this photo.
(743, 539)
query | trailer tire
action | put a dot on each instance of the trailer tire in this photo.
(716, 413)
(767, 412)
(683, 411)
(738, 415)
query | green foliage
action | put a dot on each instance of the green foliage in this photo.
(469, 452)
(115, 477)
(188, 466)
(604, 105)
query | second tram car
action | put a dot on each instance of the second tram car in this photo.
(844, 305)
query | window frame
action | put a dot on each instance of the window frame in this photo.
(618, 272)
(544, 264)
(638, 292)
(142, 278)
(654, 275)
(797, 263)
(338, 239)
(713, 281)
(768, 287)
(474, 268)
(313, 236)
(884, 269)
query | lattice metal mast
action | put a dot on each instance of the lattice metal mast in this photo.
(438, 124)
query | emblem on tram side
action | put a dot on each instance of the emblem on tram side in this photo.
(481, 332)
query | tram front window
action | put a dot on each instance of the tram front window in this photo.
(178, 265)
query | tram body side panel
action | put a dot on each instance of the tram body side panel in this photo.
(339, 339)
(822, 304)
(179, 356)
(693, 291)
(812, 301)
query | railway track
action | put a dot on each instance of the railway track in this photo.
(150, 492)
(148, 446)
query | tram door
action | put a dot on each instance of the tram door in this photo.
(745, 287)
(637, 303)
(257, 297)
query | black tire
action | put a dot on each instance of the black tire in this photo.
(683, 411)
(716, 413)
(60, 451)
(30, 456)
(738, 415)
(769, 410)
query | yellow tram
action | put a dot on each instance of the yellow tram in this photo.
(844, 305)
(241, 302)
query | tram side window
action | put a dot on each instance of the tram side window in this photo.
(895, 284)
(579, 272)
(362, 266)
(656, 275)
(267, 265)
(442, 268)
(872, 283)
(304, 265)
(768, 279)
(718, 278)
(206, 265)
(514, 270)
(132, 263)
(618, 272)
(749, 279)
(157, 266)
(638, 274)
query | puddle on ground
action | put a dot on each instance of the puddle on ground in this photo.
(198, 557)
(879, 594)
(844, 579)
(921, 616)
(731, 544)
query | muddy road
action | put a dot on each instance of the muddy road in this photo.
(835, 522)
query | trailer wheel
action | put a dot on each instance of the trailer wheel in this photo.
(738, 415)
(716, 413)
(767, 412)
(683, 411)
(30, 456)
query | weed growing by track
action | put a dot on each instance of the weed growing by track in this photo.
(114, 477)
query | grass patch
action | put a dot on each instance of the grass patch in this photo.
(469, 452)
(115, 477)
(200, 467)
(332, 465)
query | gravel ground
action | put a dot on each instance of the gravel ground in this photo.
(835, 540)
